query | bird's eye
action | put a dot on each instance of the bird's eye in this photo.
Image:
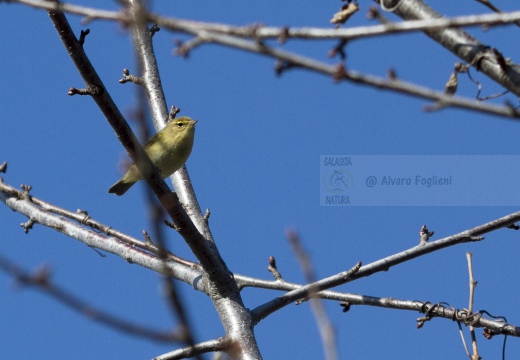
(180, 124)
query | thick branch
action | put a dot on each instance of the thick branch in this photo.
(224, 292)
(202, 249)
(462, 45)
(25, 206)
(159, 110)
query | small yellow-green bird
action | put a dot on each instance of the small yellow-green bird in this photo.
(168, 149)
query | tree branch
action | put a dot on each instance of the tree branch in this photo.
(309, 290)
(42, 212)
(273, 32)
(462, 45)
(419, 17)
(219, 344)
(224, 292)
(328, 337)
(41, 280)
(19, 202)
(339, 73)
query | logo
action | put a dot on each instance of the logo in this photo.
(337, 181)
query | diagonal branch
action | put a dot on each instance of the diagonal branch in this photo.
(419, 17)
(494, 8)
(224, 291)
(462, 237)
(219, 344)
(310, 290)
(203, 250)
(386, 263)
(383, 264)
(462, 45)
(326, 330)
(159, 110)
(82, 217)
(151, 83)
(41, 281)
(341, 74)
(24, 205)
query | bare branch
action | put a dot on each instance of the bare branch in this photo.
(472, 285)
(262, 311)
(107, 243)
(507, 222)
(328, 337)
(193, 277)
(463, 45)
(267, 32)
(341, 74)
(82, 218)
(219, 344)
(494, 8)
(204, 250)
(41, 281)
(446, 311)
(419, 250)
(432, 23)
(224, 291)
(89, 13)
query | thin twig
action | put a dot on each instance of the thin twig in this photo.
(388, 262)
(264, 32)
(328, 337)
(201, 348)
(488, 4)
(463, 339)
(472, 285)
(41, 281)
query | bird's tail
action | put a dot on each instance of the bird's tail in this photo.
(120, 187)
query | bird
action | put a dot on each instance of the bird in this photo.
(168, 149)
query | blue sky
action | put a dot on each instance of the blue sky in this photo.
(256, 165)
